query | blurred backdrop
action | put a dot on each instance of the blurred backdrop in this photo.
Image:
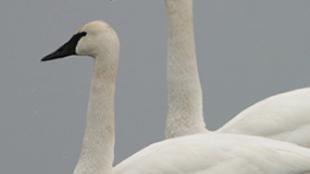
(247, 50)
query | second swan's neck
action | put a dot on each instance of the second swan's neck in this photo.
(97, 153)
(185, 108)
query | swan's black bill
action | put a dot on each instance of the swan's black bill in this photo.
(68, 49)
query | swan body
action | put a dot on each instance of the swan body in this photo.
(217, 153)
(202, 153)
(284, 117)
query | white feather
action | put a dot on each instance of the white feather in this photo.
(212, 153)
(283, 117)
(218, 153)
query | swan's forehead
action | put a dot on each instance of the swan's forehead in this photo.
(95, 27)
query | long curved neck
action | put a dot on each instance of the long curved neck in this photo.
(97, 153)
(185, 108)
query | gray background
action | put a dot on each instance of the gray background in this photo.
(248, 50)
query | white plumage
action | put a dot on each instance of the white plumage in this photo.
(212, 153)
(216, 153)
(284, 117)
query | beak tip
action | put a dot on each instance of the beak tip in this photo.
(44, 59)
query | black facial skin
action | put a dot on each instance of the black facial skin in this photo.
(68, 49)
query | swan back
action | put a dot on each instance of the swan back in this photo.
(218, 153)
(283, 117)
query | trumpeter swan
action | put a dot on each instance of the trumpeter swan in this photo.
(98, 40)
(203, 153)
(284, 117)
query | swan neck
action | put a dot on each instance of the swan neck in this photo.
(185, 105)
(97, 151)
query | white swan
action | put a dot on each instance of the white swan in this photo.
(205, 153)
(284, 117)
(96, 39)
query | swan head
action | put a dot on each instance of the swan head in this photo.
(92, 39)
